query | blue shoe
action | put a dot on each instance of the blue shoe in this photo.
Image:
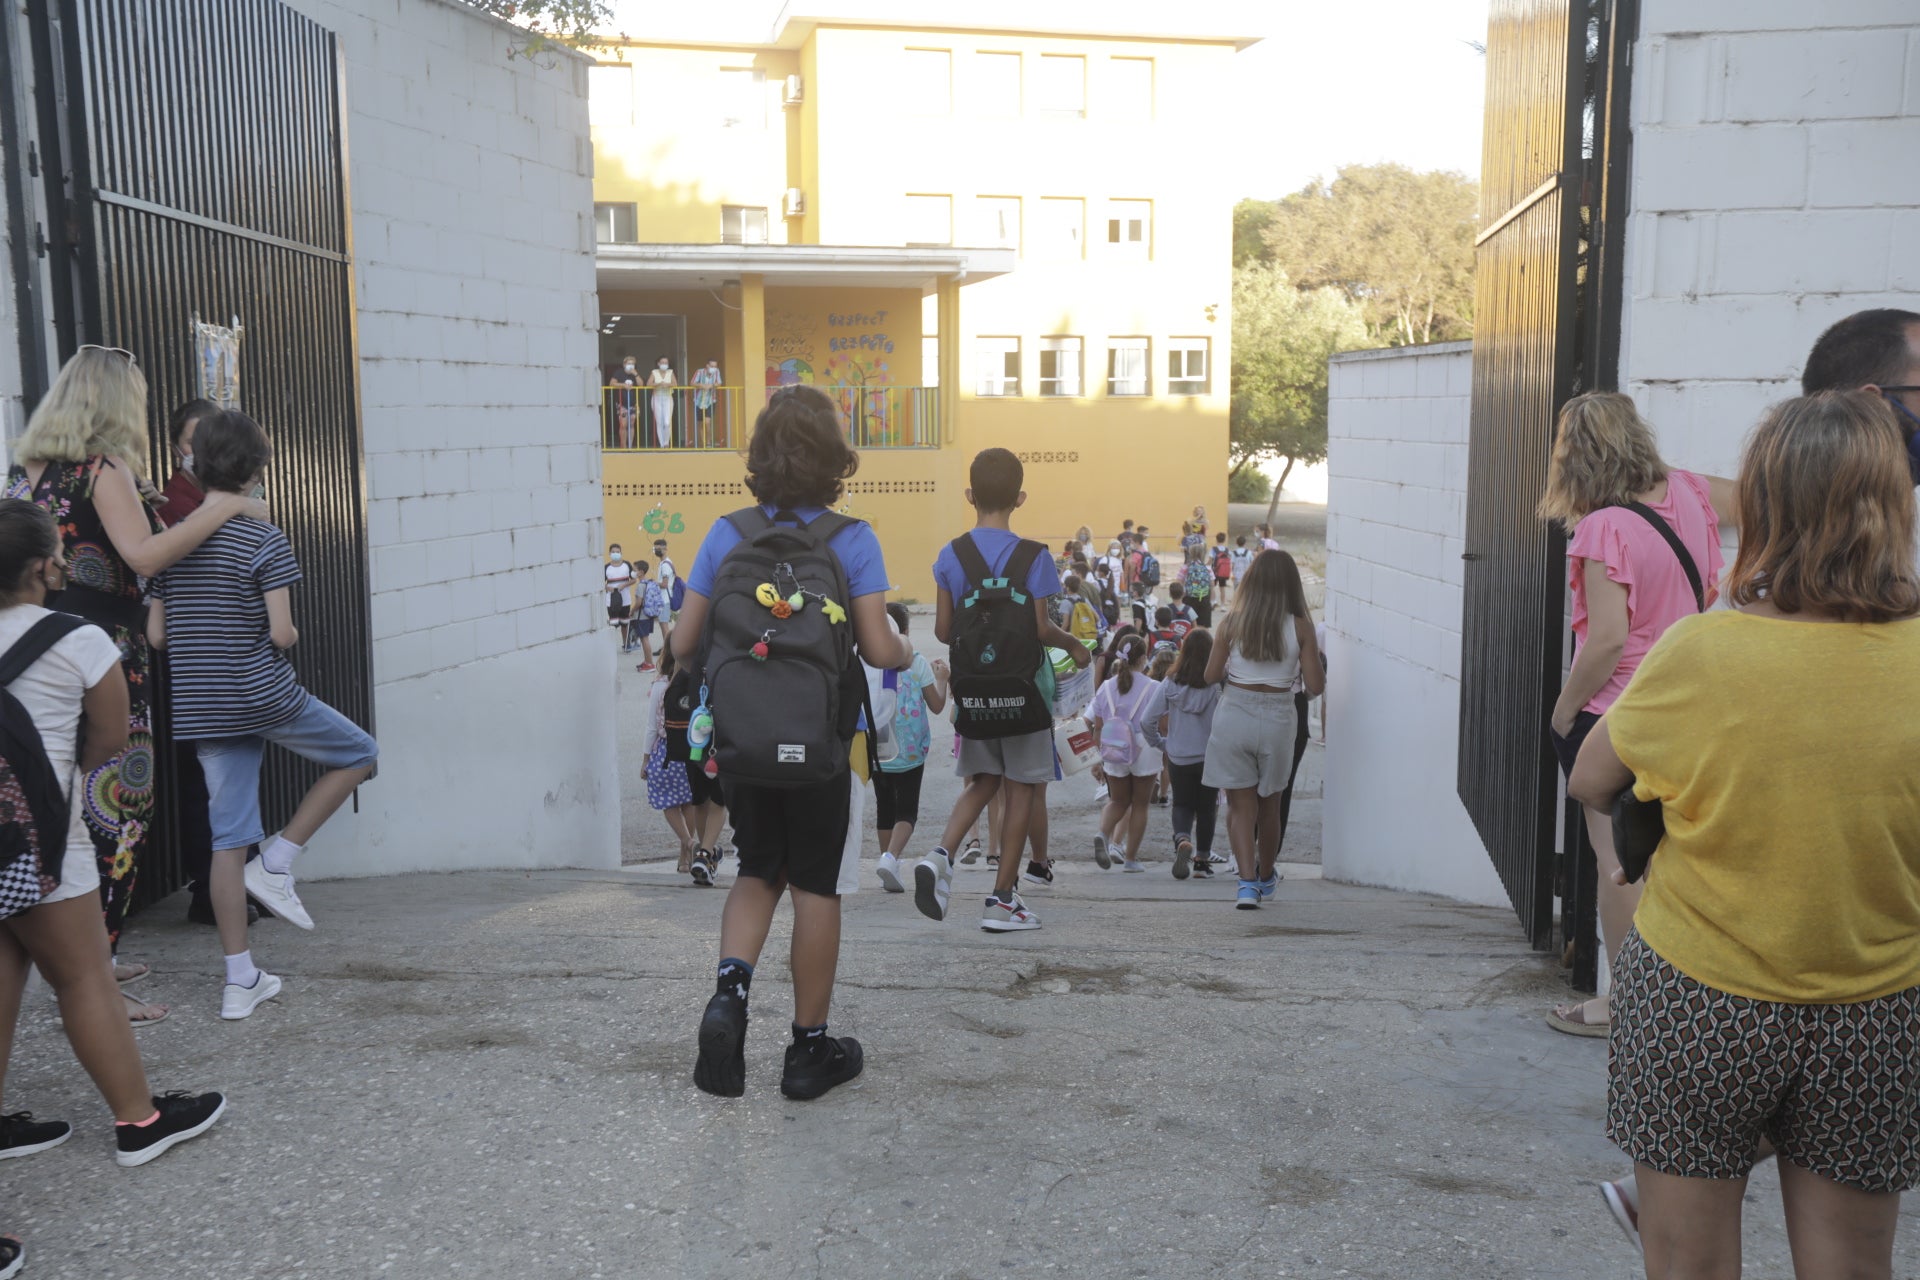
(1269, 885)
(1248, 898)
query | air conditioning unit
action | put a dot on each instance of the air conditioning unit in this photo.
(795, 93)
(794, 203)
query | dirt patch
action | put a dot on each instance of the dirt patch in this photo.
(1299, 1185)
(978, 1027)
(470, 1039)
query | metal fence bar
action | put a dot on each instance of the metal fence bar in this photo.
(646, 419)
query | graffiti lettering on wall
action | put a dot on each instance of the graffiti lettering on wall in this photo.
(790, 352)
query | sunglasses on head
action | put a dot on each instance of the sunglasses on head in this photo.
(118, 351)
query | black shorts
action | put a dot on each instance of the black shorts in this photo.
(705, 790)
(796, 836)
(616, 612)
(1221, 582)
(1568, 748)
(896, 798)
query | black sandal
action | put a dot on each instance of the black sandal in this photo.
(13, 1256)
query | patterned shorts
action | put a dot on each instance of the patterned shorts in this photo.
(1698, 1077)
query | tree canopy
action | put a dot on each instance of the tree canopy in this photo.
(1282, 338)
(1396, 242)
(567, 22)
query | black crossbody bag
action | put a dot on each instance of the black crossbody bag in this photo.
(1639, 825)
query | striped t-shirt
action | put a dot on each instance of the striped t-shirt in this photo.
(228, 680)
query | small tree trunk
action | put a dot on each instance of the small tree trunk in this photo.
(1273, 502)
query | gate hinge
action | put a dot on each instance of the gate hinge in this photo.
(40, 239)
(1470, 555)
(33, 159)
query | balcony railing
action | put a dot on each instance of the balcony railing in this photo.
(652, 419)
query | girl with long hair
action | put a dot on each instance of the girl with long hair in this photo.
(1122, 700)
(1178, 720)
(84, 459)
(1265, 645)
(1619, 501)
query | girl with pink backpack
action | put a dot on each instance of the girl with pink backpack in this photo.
(1130, 764)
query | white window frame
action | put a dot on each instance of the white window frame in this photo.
(611, 211)
(1127, 384)
(1059, 109)
(607, 105)
(1126, 107)
(1049, 247)
(737, 80)
(917, 70)
(987, 99)
(990, 215)
(1185, 382)
(741, 215)
(1063, 384)
(918, 205)
(991, 379)
(1124, 219)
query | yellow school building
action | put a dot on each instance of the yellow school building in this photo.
(968, 237)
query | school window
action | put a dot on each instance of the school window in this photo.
(1130, 228)
(1129, 89)
(1063, 85)
(1059, 366)
(998, 221)
(996, 84)
(930, 361)
(1062, 222)
(743, 98)
(743, 224)
(999, 372)
(1187, 366)
(1127, 366)
(615, 224)
(610, 93)
(929, 219)
(929, 84)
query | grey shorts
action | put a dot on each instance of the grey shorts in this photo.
(1026, 757)
(1252, 741)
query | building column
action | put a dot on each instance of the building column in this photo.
(948, 309)
(753, 342)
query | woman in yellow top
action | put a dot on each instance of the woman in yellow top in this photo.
(1769, 993)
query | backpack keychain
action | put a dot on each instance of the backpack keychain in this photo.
(795, 600)
(700, 733)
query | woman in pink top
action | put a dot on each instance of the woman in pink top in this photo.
(1628, 587)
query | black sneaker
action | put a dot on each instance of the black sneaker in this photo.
(182, 1116)
(721, 1068)
(819, 1065)
(13, 1256)
(1039, 873)
(706, 865)
(22, 1135)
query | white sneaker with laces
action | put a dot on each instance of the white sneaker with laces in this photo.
(275, 893)
(1131, 865)
(933, 885)
(889, 873)
(1008, 916)
(237, 1002)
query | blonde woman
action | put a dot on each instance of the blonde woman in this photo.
(1619, 502)
(1767, 996)
(84, 459)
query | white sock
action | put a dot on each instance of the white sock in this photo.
(279, 854)
(241, 970)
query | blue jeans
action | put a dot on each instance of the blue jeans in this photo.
(232, 765)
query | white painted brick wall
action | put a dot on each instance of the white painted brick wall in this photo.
(1774, 185)
(1396, 527)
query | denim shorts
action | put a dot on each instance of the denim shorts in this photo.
(232, 765)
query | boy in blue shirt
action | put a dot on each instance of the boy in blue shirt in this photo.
(1020, 764)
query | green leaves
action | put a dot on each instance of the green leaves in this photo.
(563, 22)
(1282, 338)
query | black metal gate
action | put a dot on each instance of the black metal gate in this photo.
(1524, 364)
(194, 163)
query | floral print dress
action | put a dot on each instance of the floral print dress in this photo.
(118, 801)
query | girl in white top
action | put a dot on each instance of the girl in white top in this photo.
(63, 934)
(1265, 645)
(1123, 698)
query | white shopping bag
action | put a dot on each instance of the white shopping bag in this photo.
(1077, 746)
(849, 881)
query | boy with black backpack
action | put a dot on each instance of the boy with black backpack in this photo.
(779, 596)
(993, 588)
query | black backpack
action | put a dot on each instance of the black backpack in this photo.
(34, 806)
(785, 693)
(995, 652)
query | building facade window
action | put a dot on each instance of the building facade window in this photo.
(1129, 89)
(743, 224)
(1130, 228)
(1062, 91)
(610, 93)
(929, 219)
(1129, 362)
(1060, 366)
(996, 85)
(1188, 362)
(929, 83)
(1063, 221)
(997, 221)
(615, 224)
(999, 371)
(743, 98)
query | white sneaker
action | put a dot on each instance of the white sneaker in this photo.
(275, 893)
(1100, 852)
(1131, 865)
(933, 885)
(1008, 916)
(237, 1002)
(889, 873)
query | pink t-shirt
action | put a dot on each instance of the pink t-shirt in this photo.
(1639, 559)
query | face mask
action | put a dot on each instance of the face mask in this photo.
(615, 556)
